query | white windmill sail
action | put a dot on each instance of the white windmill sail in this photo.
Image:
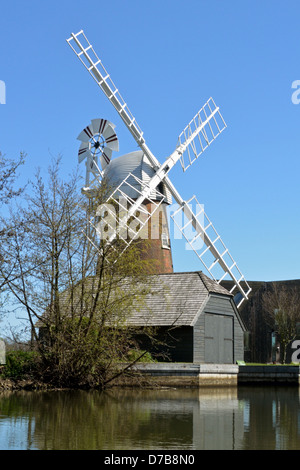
(196, 137)
(206, 135)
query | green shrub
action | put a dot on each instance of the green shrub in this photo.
(134, 354)
(19, 364)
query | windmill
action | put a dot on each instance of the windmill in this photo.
(202, 130)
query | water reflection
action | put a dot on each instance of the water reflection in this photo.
(229, 418)
(272, 419)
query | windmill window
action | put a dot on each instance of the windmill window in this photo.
(160, 188)
(165, 243)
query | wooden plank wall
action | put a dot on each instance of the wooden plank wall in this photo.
(220, 306)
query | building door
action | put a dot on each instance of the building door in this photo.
(218, 339)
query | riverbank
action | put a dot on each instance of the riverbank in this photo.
(183, 375)
(189, 374)
(269, 374)
(218, 375)
(7, 384)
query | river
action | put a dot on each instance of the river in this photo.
(247, 418)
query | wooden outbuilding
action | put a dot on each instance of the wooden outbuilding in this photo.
(196, 320)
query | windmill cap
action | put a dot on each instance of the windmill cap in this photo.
(140, 167)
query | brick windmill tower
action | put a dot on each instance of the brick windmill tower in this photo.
(136, 169)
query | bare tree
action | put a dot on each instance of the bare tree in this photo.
(8, 176)
(8, 191)
(282, 313)
(8, 194)
(76, 294)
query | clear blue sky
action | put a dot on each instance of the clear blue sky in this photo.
(167, 58)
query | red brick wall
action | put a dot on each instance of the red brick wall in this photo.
(153, 249)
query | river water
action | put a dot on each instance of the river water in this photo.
(249, 418)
